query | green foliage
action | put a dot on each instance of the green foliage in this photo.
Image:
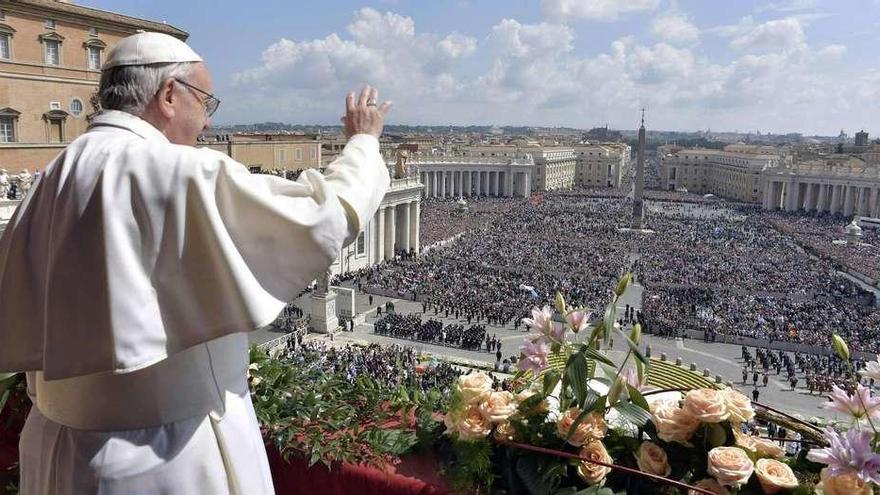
(323, 417)
(472, 466)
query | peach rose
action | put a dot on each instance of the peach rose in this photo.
(844, 484)
(504, 432)
(652, 459)
(709, 484)
(707, 405)
(474, 387)
(498, 406)
(594, 473)
(738, 405)
(774, 476)
(730, 466)
(472, 424)
(592, 427)
(673, 423)
(745, 441)
(767, 448)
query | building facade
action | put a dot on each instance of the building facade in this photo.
(730, 174)
(51, 54)
(270, 153)
(555, 169)
(838, 184)
(602, 164)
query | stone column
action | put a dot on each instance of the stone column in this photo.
(527, 184)
(442, 184)
(467, 184)
(479, 183)
(808, 200)
(790, 196)
(414, 218)
(768, 193)
(404, 242)
(864, 196)
(874, 199)
(848, 201)
(389, 232)
(497, 183)
(380, 235)
(835, 199)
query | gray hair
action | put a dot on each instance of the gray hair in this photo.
(130, 88)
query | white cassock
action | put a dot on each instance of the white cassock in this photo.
(128, 278)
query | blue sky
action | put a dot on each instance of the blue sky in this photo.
(808, 66)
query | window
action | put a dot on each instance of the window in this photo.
(7, 130)
(298, 154)
(76, 107)
(52, 51)
(361, 243)
(282, 155)
(94, 58)
(4, 46)
(313, 154)
(50, 24)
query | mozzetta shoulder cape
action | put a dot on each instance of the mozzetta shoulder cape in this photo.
(131, 249)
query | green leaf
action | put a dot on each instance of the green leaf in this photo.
(576, 372)
(715, 435)
(637, 398)
(632, 413)
(596, 356)
(550, 380)
(608, 320)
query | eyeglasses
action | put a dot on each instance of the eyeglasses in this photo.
(210, 102)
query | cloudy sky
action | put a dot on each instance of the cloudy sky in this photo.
(808, 66)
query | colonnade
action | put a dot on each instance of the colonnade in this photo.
(844, 199)
(467, 183)
(395, 228)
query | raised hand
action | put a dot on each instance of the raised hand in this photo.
(364, 116)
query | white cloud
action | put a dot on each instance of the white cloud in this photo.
(527, 40)
(521, 73)
(782, 34)
(458, 45)
(594, 10)
(675, 28)
(788, 6)
(832, 51)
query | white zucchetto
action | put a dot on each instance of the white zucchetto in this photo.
(149, 48)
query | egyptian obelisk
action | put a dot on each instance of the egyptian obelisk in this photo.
(639, 189)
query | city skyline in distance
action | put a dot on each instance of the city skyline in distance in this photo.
(799, 66)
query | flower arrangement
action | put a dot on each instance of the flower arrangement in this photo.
(575, 421)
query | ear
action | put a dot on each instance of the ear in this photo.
(166, 99)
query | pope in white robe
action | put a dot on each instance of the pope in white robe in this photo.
(131, 273)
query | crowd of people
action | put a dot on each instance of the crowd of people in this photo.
(818, 233)
(411, 326)
(392, 366)
(723, 269)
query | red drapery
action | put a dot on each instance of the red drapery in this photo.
(415, 475)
